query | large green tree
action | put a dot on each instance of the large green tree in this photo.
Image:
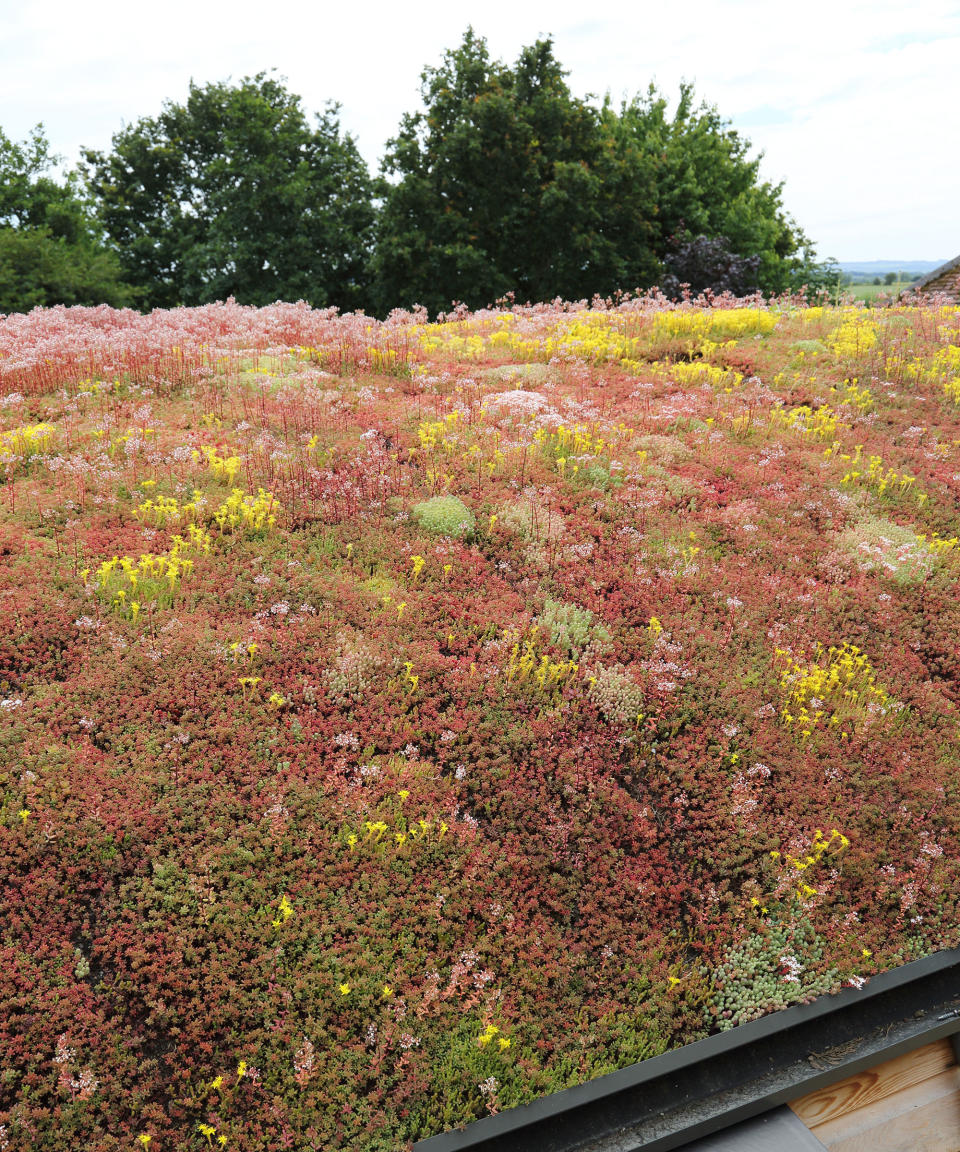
(51, 251)
(235, 193)
(504, 183)
(708, 185)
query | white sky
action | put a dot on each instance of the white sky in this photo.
(855, 103)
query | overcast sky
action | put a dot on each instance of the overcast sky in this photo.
(854, 103)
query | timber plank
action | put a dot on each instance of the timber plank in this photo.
(922, 1118)
(933, 1128)
(873, 1085)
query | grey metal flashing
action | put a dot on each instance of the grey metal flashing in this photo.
(779, 1129)
(676, 1129)
(667, 1101)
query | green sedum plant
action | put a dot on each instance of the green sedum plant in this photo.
(572, 628)
(772, 969)
(445, 515)
(616, 694)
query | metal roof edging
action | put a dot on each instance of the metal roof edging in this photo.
(747, 1111)
(511, 1124)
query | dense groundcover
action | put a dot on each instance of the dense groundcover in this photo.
(402, 721)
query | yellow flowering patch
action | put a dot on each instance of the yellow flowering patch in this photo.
(398, 834)
(248, 515)
(881, 481)
(594, 337)
(223, 467)
(456, 338)
(853, 338)
(491, 1033)
(821, 846)
(166, 510)
(710, 324)
(531, 667)
(126, 584)
(821, 423)
(946, 365)
(578, 441)
(938, 545)
(838, 690)
(129, 443)
(698, 372)
(439, 435)
(28, 440)
(853, 395)
(284, 912)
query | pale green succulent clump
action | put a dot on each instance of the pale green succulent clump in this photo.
(571, 628)
(352, 672)
(616, 694)
(880, 545)
(769, 971)
(445, 515)
(808, 346)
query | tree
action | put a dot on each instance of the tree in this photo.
(507, 182)
(504, 183)
(51, 251)
(234, 193)
(708, 186)
(707, 263)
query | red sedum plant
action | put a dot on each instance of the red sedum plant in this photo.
(403, 721)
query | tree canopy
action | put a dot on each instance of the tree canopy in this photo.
(234, 193)
(507, 182)
(708, 185)
(51, 251)
(504, 182)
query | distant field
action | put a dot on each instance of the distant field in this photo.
(871, 291)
